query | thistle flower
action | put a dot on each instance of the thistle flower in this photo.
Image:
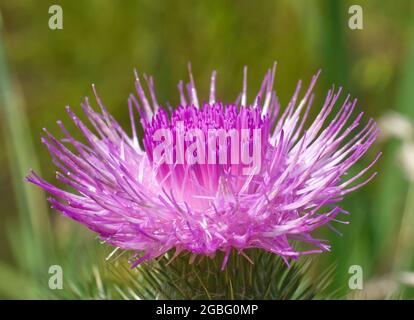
(262, 181)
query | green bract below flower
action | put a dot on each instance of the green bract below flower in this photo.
(211, 176)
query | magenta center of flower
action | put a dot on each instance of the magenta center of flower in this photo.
(208, 143)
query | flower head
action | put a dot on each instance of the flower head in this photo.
(210, 176)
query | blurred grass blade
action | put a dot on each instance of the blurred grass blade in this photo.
(405, 98)
(30, 201)
(335, 51)
(393, 184)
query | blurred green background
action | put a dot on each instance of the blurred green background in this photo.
(42, 70)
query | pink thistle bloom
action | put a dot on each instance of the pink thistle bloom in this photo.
(267, 184)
